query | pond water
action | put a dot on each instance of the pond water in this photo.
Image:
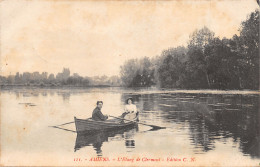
(219, 128)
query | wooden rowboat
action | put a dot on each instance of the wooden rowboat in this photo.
(89, 125)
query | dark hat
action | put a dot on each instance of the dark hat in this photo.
(129, 98)
(99, 102)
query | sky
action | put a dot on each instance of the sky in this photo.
(96, 37)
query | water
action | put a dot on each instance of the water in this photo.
(205, 128)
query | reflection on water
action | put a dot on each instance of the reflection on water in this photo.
(65, 96)
(202, 122)
(98, 138)
(210, 117)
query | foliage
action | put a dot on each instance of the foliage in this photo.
(171, 70)
(137, 73)
(208, 62)
(63, 78)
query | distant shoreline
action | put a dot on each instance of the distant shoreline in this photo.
(56, 86)
(139, 90)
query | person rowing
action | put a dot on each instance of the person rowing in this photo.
(97, 114)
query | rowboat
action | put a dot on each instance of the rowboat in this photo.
(89, 125)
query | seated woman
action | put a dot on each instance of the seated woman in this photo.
(130, 108)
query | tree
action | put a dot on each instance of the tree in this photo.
(17, 78)
(11, 79)
(137, 73)
(44, 77)
(197, 59)
(3, 80)
(219, 63)
(171, 71)
(128, 72)
(62, 77)
(146, 72)
(249, 47)
(200, 38)
(51, 78)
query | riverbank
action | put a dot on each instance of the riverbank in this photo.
(54, 86)
(139, 90)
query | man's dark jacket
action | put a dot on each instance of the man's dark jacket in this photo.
(97, 115)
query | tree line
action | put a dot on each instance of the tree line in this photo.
(207, 62)
(63, 78)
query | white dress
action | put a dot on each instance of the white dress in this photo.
(130, 108)
(131, 111)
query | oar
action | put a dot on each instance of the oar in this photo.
(153, 126)
(57, 126)
(63, 128)
(65, 123)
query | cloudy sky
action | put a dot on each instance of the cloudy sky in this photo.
(96, 37)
